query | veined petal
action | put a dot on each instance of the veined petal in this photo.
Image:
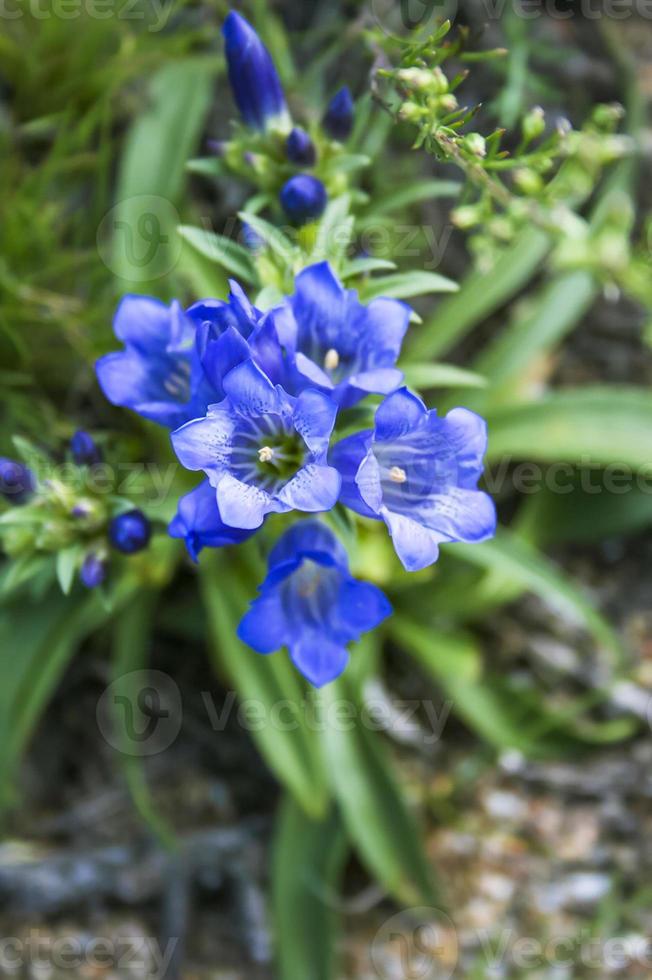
(243, 505)
(459, 514)
(368, 481)
(314, 488)
(308, 538)
(416, 546)
(251, 392)
(205, 444)
(398, 414)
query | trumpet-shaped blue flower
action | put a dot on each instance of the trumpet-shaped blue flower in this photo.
(418, 473)
(263, 450)
(336, 343)
(158, 374)
(253, 78)
(229, 333)
(303, 198)
(199, 524)
(310, 603)
(338, 119)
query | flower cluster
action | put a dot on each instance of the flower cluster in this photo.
(254, 400)
(70, 510)
(265, 404)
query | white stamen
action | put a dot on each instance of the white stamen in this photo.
(397, 475)
(332, 359)
(265, 454)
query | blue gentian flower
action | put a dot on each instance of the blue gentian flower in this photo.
(228, 333)
(158, 374)
(418, 473)
(17, 482)
(130, 532)
(336, 343)
(199, 524)
(93, 570)
(84, 449)
(310, 603)
(338, 119)
(263, 450)
(254, 80)
(303, 198)
(300, 148)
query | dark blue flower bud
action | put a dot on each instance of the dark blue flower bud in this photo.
(93, 571)
(303, 199)
(16, 481)
(338, 119)
(300, 148)
(130, 532)
(254, 81)
(84, 449)
(252, 239)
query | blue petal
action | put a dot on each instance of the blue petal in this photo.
(387, 323)
(467, 434)
(205, 444)
(314, 488)
(346, 457)
(310, 373)
(369, 483)
(416, 546)
(319, 658)
(319, 305)
(309, 538)
(223, 354)
(264, 626)
(143, 322)
(398, 414)
(361, 607)
(338, 118)
(380, 381)
(313, 418)
(198, 521)
(243, 505)
(459, 514)
(127, 380)
(251, 392)
(267, 352)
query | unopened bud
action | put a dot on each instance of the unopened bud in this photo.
(534, 123)
(475, 144)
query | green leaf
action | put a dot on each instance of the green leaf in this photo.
(587, 426)
(211, 167)
(414, 193)
(67, 562)
(152, 173)
(291, 749)
(362, 265)
(372, 803)
(552, 315)
(229, 254)
(307, 864)
(426, 376)
(480, 294)
(346, 163)
(520, 567)
(403, 285)
(271, 235)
